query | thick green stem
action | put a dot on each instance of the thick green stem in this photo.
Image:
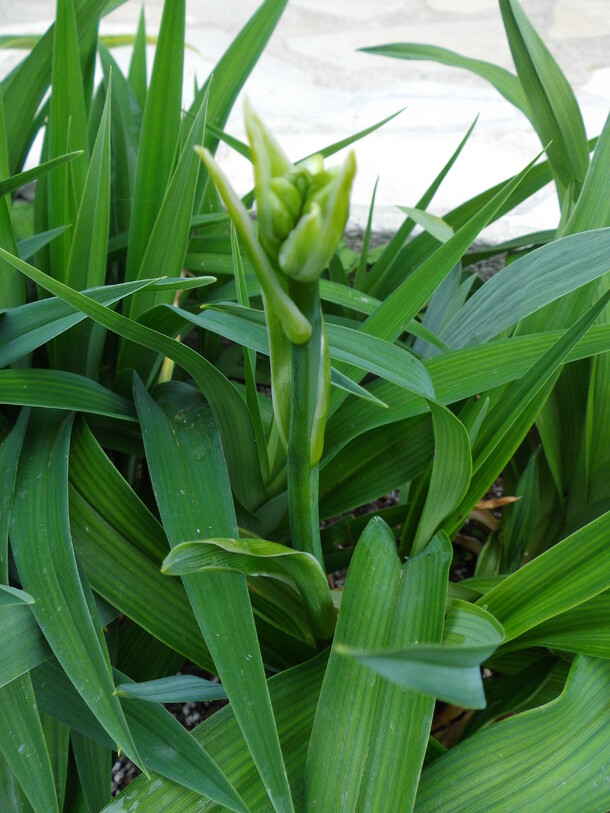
(308, 371)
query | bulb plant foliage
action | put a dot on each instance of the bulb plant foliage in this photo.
(207, 418)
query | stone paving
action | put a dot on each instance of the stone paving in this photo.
(313, 87)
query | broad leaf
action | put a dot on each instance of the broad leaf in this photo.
(553, 758)
(449, 671)
(362, 720)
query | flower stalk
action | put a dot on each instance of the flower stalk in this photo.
(302, 211)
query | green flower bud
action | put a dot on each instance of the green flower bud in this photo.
(311, 244)
(303, 209)
(285, 207)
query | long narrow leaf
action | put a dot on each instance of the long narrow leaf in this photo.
(191, 485)
(23, 745)
(40, 537)
(568, 574)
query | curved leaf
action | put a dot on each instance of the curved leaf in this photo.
(504, 81)
(12, 595)
(553, 757)
(176, 689)
(449, 671)
(56, 389)
(451, 471)
(528, 284)
(23, 745)
(230, 410)
(257, 557)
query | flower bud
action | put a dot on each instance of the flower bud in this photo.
(311, 244)
(303, 209)
(285, 207)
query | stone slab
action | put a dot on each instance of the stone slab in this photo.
(314, 87)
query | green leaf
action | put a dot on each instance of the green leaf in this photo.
(245, 325)
(12, 796)
(294, 693)
(257, 557)
(564, 576)
(571, 775)
(521, 517)
(504, 81)
(508, 693)
(451, 471)
(27, 327)
(362, 720)
(361, 268)
(24, 645)
(93, 762)
(187, 761)
(435, 226)
(80, 348)
(12, 595)
(392, 317)
(137, 77)
(528, 284)
(592, 210)
(177, 689)
(160, 134)
(57, 737)
(10, 449)
(237, 63)
(126, 124)
(55, 389)
(252, 398)
(230, 410)
(583, 629)
(114, 532)
(406, 257)
(382, 268)
(8, 185)
(165, 745)
(12, 289)
(66, 131)
(506, 425)
(552, 106)
(478, 371)
(167, 242)
(191, 485)
(23, 745)
(25, 87)
(41, 543)
(31, 245)
(337, 379)
(449, 671)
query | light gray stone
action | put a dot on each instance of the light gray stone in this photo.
(312, 86)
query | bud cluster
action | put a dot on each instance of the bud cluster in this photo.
(302, 209)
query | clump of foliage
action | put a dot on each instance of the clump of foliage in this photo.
(195, 407)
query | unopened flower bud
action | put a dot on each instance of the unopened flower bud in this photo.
(302, 209)
(311, 244)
